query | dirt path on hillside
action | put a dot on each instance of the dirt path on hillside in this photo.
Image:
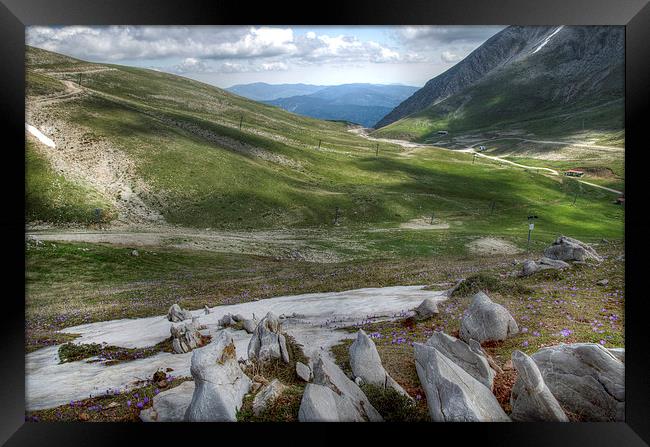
(81, 156)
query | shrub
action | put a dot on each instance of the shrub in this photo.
(394, 406)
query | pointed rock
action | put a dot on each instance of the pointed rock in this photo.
(268, 341)
(220, 382)
(452, 394)
(366, 364)
(471, 359)
(185, 336)
(530, 398)
(334, 397)
(303, 371)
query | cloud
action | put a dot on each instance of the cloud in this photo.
(436, 35)
(190, 65)
(263, 48)
(151, 42)
(448, 56)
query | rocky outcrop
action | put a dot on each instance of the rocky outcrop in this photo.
(185, 336)
(268, 342)
(452, 394)
(470, 358)
(266, 395)
(249, 325)
(366, 364)
(333, 397)
(220, 382)
(586, 379)
(485, 320)
(569, 249)
(170, 405)
(531, 400)
(619, 353)
(176, 314)
(427, 309)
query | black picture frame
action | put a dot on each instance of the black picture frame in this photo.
(16, 14)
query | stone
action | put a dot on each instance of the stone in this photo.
(569, 249)
(220, 382)
(619, 353)
(358, 381)
(486, 321)
(319, 404)
(185, 336)
(334, 397)
(530, 398)
(206, 309)
(268, 342)
(427, 309)
(170, 405)
(176, 314)
(468, 358)
(267, 395)
(586, 379)
(237, 318)
(366, 364)
(249, 325)
(135, 253)
(226, 321)
(303, 371)
(530, 267)
(603, 282)
(452, 394)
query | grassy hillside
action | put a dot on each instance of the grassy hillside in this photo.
(51, 197)
(201, 170)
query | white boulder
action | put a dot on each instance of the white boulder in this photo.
(531, 400)
(486, 320)
(469, 358)
(366, 364)
(220, 382)
(177, 314)
(452, 394)
(268, 341)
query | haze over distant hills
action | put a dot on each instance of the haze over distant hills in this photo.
(261, 91)
(357, 103)
(546, 80)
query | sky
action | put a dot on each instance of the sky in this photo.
(229, 55)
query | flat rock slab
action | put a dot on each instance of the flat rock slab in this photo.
(49, 384)
(170, 405)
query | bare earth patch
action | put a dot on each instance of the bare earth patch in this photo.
(491, 245)
(424, 223)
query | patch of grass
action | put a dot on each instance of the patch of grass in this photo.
(114, 406)
(488, 283)
(394, 406)
(572, 301)
(277, 369)
(110, 355)
(283, 409)
(51, 197)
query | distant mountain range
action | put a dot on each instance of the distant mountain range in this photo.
(261, 91)
(362, 104)
(544, 79)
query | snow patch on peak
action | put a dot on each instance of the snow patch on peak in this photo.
(543, 44)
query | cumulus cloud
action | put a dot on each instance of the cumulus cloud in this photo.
(448, 56)
(261, 48)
